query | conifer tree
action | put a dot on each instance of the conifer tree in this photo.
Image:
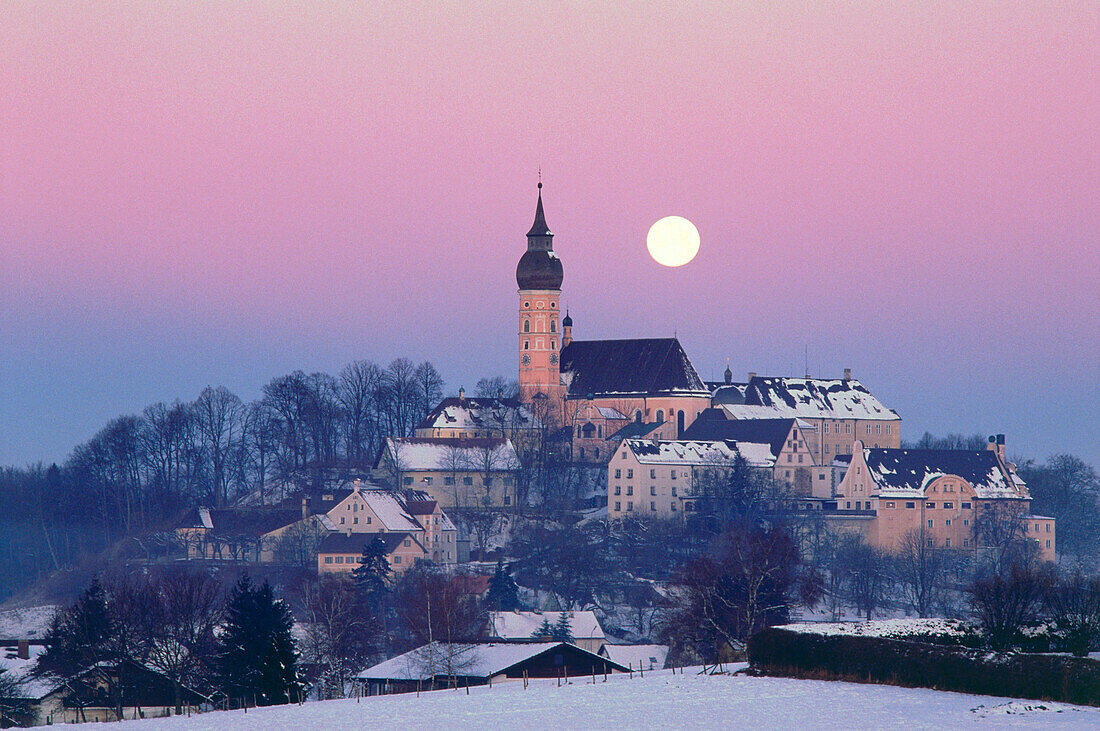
(257, 660)
(503, 594)
(372, 575)
(563, 628)
(79, 636)
(545, 630)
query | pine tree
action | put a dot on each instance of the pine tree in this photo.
(503, 594)
(563, 628)
(256, 655)
(79, 636)
(545, 630)
(372, 575)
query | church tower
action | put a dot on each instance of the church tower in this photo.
(539, 276)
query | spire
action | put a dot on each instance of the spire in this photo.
(539, 227)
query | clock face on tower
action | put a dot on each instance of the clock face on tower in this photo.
(526, 359)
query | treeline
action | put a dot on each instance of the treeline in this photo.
(140, 471)
(236, 648)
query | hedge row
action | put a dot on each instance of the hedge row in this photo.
(782, 652)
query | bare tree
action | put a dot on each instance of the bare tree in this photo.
(358, 388)
(429, 389)
(340, 636)
(1072, 601)
(1003, 602)
(218, 413)
(920, 572)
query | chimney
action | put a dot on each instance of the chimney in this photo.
(24, 650)
(461, 393)
(305, 507)
(847, 374)
(997, 444)
(752, 375)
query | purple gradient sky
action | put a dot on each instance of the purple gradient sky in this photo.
(194, 194)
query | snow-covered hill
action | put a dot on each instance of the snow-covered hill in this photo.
(660, 700)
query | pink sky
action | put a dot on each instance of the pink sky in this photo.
(209, 193)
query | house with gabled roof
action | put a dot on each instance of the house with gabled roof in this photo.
(456, 473)
(661, 479)
(788, 440)
(464, 417)
(585, 630)
(837, 411)
(953, 498)
(440, 665)
(343, 552)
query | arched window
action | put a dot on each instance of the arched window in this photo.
(578, 431)
(589, 430)
(553, 326)
(660, 416)
(526, 344)
(638, 416)
(679, 423)
(599, 431)
(526, 326)
(553, 345)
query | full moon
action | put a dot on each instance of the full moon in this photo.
(673, 241)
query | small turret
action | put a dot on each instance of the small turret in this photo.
(566, 330)
(728, 375)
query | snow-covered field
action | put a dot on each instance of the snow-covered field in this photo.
(25, 623)
(660, 700)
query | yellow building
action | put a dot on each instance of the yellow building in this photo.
(954, 498)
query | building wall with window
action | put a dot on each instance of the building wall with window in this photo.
(660, 479)
(957, 499)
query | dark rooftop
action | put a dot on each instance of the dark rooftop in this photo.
(713, 425)
(649, 365)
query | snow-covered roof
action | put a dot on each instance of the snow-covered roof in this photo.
(480, 413)
(443, 455)
(907, 472)
(808, 398)
(472, 660)
(690, 452)
(645, 657)
(389, 510)
(609, 413)
(20, 671)
(522, 625)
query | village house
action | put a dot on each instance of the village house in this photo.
(835, 412)
(660, 479)
(439, 665)
(273, 534)
(954, 498)
(106, 692)
(343, 552)
(456, 473)
(480, 418)
(789, 443)
(584, 628)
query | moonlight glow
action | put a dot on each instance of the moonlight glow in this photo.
(673, 241)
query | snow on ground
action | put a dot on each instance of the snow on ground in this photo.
(28, 623)
(660, 700)
(895, 628)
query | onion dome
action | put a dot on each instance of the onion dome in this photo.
(539, 267)
(567, 321)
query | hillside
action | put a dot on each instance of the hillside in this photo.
(660, 700)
